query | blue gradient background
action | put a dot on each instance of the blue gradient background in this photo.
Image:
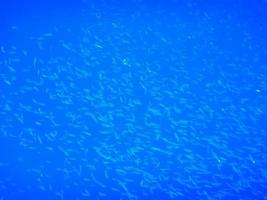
(133, 100)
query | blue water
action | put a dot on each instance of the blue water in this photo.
(133, 100)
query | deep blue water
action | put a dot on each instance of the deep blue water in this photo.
(133, 100)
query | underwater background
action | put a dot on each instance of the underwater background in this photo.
(133, 99)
